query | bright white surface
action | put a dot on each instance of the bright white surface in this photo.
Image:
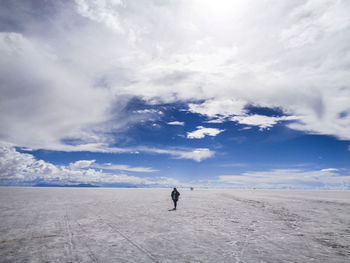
(134, 225)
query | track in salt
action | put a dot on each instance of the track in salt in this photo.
(91, 255)
(281, 214)
(114, 227)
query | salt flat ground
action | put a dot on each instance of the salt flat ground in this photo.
(134, 225)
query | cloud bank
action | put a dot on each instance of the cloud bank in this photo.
(23, 169)
(328, 178)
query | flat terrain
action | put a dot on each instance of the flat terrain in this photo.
(134, 225)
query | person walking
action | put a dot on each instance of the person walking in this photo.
(175, 197)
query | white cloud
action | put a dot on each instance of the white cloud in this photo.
(263, 122)
(13, 162)
(197, 155)
(183, 153)
(217, 108)
(86, 147)
(294, 56)
(176, 123)
(217, 120)
(105, 12)
(122, 167)
(23, 167)
(315, 20)
(234, 110)
(330, 170)
(149, 111)
(55, 102)
(16, 167)
(201, 132)
(81, 164)
(289, 178)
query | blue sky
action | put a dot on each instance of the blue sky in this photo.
(175, 93)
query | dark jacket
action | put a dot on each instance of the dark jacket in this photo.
(175, 195)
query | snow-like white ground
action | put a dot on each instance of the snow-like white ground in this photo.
(134, 225)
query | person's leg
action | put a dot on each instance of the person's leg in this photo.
(175, 203)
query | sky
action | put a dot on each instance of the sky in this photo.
(175, 93)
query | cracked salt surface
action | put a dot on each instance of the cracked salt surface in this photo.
(134, 225)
